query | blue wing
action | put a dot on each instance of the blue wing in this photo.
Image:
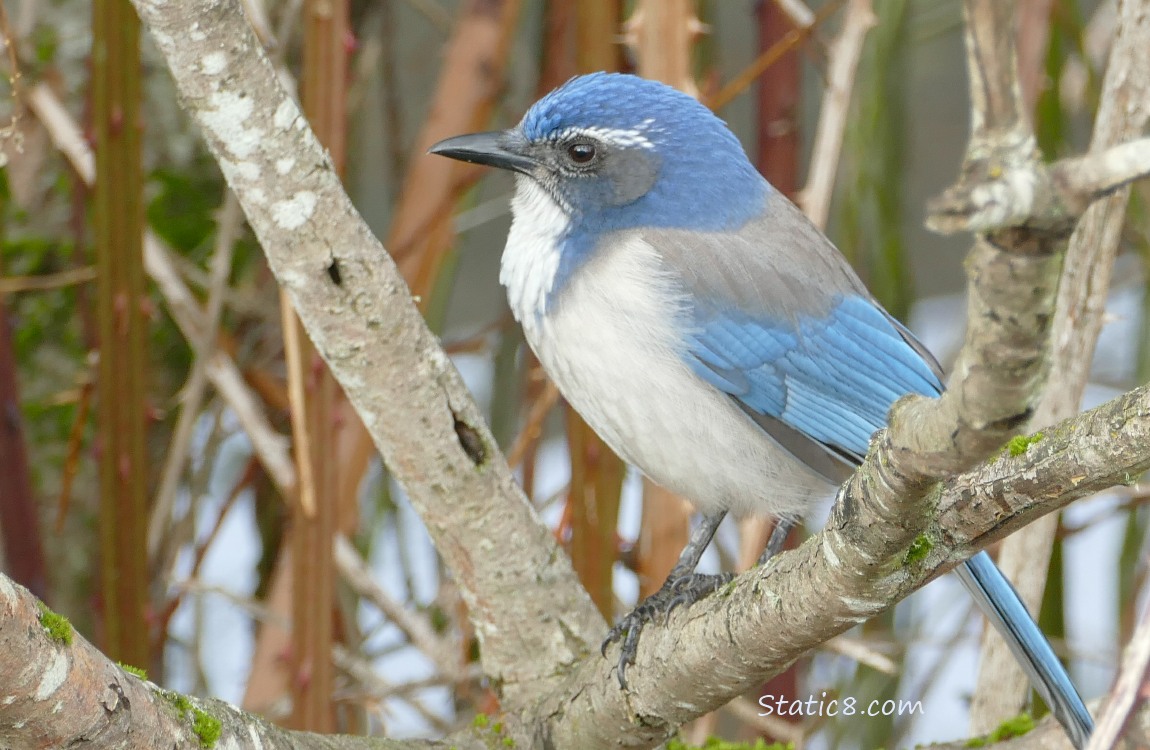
(781, 323)
(830, 377)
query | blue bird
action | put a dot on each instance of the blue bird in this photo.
(708, 332)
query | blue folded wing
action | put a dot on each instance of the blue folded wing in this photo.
(832, 378)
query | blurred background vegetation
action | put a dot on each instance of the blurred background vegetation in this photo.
(175, 462)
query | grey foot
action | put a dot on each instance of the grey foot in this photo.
(777, 541)
(659, 606)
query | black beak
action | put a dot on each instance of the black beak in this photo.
(497, 148)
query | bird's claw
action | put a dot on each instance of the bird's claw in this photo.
(674, 593)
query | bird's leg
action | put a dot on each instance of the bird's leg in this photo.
(778, 538)
(683, 586)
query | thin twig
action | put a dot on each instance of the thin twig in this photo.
(301, 436)
(533, 427)
(227, 232)
(471, 673)
(75, 443)
(373, 683)
(201, 551)
(853, 648)
(358, 575)
(45, 282)
(815, 197)
(769, 57)
(1128, 690)
(254, 609)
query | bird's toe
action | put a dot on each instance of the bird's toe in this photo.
(658, 607)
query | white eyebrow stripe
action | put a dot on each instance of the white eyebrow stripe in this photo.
(621, 137)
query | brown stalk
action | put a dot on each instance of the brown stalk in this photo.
(121, 301)
(593, 501)
(19, 519)
(44, 282)
(768, 57)
(528, 437)
(72, 456)
(560, 45)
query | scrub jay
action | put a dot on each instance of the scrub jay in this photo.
(706, 330)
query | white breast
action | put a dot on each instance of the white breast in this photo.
(612, 342)
(531, 257)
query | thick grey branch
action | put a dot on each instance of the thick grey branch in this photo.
(530, 613)
(1012, 275)
(770, 616)
(1004, 182)
(58, 690)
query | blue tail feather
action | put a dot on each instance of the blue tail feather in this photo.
(1002, 606)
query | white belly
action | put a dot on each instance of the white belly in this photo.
(610, 342)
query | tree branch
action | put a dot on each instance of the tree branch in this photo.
(531, 616)
(844, 55)
(1003, 689)
(1040, 196)
(770, 616)
(60, 691)
(1129, 690)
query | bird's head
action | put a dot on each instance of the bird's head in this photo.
(618, 152)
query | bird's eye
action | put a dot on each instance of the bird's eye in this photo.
(581, 152)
